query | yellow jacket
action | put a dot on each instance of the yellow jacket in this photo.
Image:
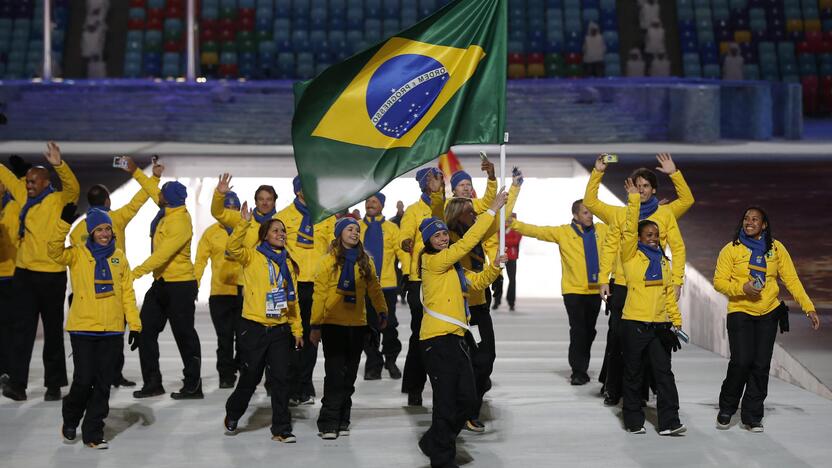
(392, 251)
(256, 283)
(87, 312)
(120, 217)
(732, 273)
(329, 307)
(225, 272)
(571, 247)
(41, 218)
(307, 257)
(491, 243)
(441, 290)
(665, 216)
(481, 204)
(9, 222)
(409, 229)
(171, 256)
(645, 303)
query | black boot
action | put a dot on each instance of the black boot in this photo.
(189, 392)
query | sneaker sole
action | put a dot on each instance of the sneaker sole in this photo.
(755, 430)
(673, 432)
(287, 440)
(640, 431)
(344, 433)
(474, 429)
(328, 436)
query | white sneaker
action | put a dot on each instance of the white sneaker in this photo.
(99, 445)
(344, 432)
(754, 427)
(637, 431)
(328, 435)
(680, 429)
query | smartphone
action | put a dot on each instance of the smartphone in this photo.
(483, 156)
(155, 159)
(609, 158)
(120, 162)
(515, 171)
(682, 335)
(758, 283)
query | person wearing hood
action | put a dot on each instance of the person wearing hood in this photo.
(660, 66)
(654, 39)
(733, 63)
(104, 302)
(225, 302)
(39, 282)
(635, 64)
(593, 51)
(172, 296)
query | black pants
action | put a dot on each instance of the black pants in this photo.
(89, 396)
(263, 348)
(483, 354)
(387, 338)
(640, 341)
(118, 376)
(511, 270)
(497, 290)
(582, 310)
(6, 323)
(448, 362)
(342, 352)
(225, 314)
(612, 370)
(751, 340)
(174, 302)
(414, 375)
(302, 364)
(38, 294)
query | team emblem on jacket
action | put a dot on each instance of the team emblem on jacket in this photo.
(114, 261)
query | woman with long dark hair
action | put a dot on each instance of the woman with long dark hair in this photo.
(345, 276)
(270, 327)
(747, 272)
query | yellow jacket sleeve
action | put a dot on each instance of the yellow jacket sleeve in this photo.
(481, 205)
(629, 239)
(236, 247)
(76, 236)
(15, 186)
(445, 259)
(294, 319)
(374, 291)
(70, 188)
(544, 233)
(724, 280)
(165, 252)
(226, 216)
(597, 207)
(788, 275)
(671, 306)
(677, 249)
(128, 298)
(125, 214)
(437, 206)
(407, 229)
(149, 185)
(203, 253)
(321, 289)
(480, 281)
(609, 251)
(685, 200)
(55, 249)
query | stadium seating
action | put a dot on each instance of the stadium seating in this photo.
(21, 37)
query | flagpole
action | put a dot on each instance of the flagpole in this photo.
(502, 249)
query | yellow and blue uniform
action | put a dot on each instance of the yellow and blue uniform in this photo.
(89, 313)
(392, 251)
(409, 229)
(225, 272)
(41, 218)
(329, 307)
(121, 217)
(732, 272)
(306, 255)
(9, 222)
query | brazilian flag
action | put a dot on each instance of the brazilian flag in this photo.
(391, 108)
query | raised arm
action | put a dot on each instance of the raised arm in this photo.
(226, 216)
(600, 209)
(544, 233)
(70, 188)
(446, 258)
(609, 251)
(480, 281)
(15, 186)
(55, 246)
(150, 186)
(481, 204)
(629, 239)
(128, 299)
(788, 275)
(126, 213)
(235, 245)
(677, 249)
(684, 199)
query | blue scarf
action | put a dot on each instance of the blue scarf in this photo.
(653, 275)
(30, 202)
(590, 252)
(346, 282)
(477, 256)
(306, 233)
(463, 283)
(7, 197)
(262, 218)
(279, 258)
(374, 240)
(103, 280)
(426, 199)
(103, 208)
(648, 208)
(757, 262)
(155, 223)
(175, 195)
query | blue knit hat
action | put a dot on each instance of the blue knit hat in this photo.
(231, 200)
(458, 177)
(422, 176)
(431, 226)
(95, 218)
(381, 198)
(175, 193)
(342, 224)
(296, 184)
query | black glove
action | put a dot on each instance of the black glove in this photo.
(18, 166)
(69, 213)
(782, 312)
(133, 340)
(669, 340)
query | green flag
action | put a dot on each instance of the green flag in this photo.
(393, 107)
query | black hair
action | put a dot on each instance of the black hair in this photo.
(766, 230)
(576, 205)
(647, 175)
(645, 223)
(267, 188)
(98, 195)
(428, 250)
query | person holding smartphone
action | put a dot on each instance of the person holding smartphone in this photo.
(747, 272)
(270, 327)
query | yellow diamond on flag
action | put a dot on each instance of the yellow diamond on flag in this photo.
(398, 93)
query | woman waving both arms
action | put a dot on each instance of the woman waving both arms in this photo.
(747, 271)
(270, 328)
(445, 288)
